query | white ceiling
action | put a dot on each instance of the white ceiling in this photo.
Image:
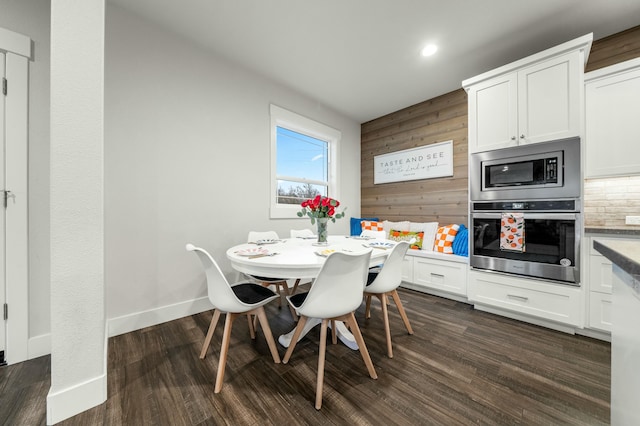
(362, 57)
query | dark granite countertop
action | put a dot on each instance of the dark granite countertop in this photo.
(625, 254)
(612, 231)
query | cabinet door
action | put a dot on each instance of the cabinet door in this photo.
(613, 125)
(407, 269)
(549, 96)
(600, 274)
(600, 311)
(493, 113)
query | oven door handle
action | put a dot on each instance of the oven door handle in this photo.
(549, 216)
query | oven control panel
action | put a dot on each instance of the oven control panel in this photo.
(535, 205)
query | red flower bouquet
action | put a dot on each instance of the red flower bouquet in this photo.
(320, 207)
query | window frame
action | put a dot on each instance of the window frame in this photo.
(281, 117)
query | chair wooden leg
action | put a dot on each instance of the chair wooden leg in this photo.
(295, 286)
(403, 314)
(321, 356)
(367, 309)
(285, 288)
(266, 329)
(226, 337)
(212, 328)
(279, 295)
(387, 329)
(351, 319)
(294, 315)
(294, 339)
(334, 333)
(252, 327)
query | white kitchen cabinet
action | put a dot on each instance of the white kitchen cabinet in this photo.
(441, 275)
(599, 281)
(559, 303)
(612, 125)
(600, 311)
(600, 272)
(407, 269)
(536, 99)
(493, 113)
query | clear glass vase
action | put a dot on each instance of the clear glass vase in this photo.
(322, 230)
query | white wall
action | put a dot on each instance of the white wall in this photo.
(187, 160)
(186, 137)
(31, 18)
(78, 342)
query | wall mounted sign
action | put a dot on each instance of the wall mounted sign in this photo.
(425, 162)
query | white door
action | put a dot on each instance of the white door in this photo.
(3, 322)
(493, 113)
(14, 140)
(549, 100)
(612, 121)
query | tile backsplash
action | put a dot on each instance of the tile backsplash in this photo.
(608, 200)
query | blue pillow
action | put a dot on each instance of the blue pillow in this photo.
(356, 226)
(460, 244)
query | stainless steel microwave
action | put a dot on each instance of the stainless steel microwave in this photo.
(549, 170)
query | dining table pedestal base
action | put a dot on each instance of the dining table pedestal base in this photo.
(344, 334)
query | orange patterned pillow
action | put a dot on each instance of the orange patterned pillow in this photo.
(372, 225)
(413, 238)
(444, 238)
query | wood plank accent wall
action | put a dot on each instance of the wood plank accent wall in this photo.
(441, 200)
(616, 48)
(444, 200)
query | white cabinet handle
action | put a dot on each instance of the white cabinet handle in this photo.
(521, 136)
(521, 298)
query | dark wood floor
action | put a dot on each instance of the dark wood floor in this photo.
(460, 367)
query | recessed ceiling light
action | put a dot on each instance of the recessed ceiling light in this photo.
(429, 50)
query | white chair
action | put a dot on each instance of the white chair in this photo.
(255, 236)
(385, 283)
(378, 235)
(279, 283)
(239, 299)
(334, 296)
(301, 233)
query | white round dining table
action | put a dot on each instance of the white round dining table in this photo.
(294, 258)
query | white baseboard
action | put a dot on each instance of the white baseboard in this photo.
(39, 346)
(595, 334)
(138, 320)
(73, 400)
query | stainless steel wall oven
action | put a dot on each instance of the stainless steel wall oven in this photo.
(551, 241)
(539, 186)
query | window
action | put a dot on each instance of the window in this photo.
(302, 161)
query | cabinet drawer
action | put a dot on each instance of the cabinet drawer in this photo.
(600, 311)
(441, 275)
(558, 303)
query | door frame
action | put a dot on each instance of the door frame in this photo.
(17, 48)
